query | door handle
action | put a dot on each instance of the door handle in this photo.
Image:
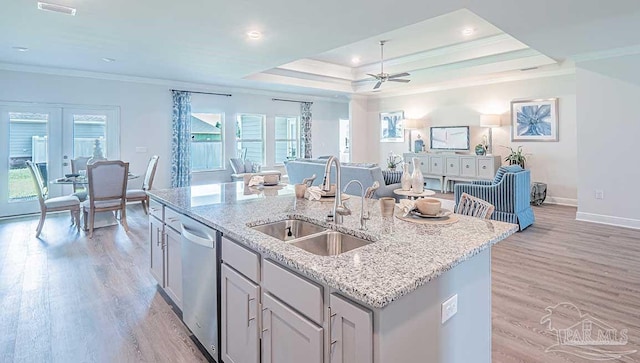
(249, 318)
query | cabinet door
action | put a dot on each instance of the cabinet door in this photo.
(287, 336)
(436, 165)
(485, 168)
(156, 249)
(453, 165)
(351, 332)
(239, 318)
(468, 166)
(173, 266)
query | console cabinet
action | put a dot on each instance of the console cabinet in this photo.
(450, 168)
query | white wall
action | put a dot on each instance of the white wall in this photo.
(554, 163)
(145, 114)
(607, 144)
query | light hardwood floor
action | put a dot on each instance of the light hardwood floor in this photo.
(66, 298)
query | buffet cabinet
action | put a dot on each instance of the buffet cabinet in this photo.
(449, 168)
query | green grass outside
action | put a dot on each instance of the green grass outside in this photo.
(20, 184)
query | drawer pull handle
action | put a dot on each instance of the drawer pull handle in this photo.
(484, 167)
(467, 166)
(451, 165)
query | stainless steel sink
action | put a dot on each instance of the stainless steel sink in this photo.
(330, 243)
(289, 229)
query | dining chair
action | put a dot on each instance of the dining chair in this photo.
(77, 165)
(69, 202)
(140, 195)
(474, 207)
(107, 191)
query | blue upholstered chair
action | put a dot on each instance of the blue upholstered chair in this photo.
(509, 192)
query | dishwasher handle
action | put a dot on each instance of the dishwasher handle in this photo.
(201, 238)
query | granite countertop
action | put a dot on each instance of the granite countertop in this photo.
(397, 263)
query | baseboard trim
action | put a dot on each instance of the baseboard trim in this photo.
(561, 201)
(609, 220)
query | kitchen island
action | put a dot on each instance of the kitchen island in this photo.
(393, 288)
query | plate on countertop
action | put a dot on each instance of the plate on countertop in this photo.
(443, 213)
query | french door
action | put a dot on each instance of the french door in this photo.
(49, 136)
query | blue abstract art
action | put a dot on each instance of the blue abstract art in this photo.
(534, 120)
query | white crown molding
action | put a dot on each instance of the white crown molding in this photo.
(604, 54)
(609, 220)
(204, 87)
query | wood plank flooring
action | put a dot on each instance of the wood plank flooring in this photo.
(66, 298)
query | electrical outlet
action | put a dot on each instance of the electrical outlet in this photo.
(449, 308)
(141, 149)
(599, 194)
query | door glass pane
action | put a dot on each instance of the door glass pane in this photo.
(250, 137)
(28, 141)
(89, 131)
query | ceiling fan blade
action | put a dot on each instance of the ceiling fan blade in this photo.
(405, 74)
(373, 75)
(399, 80)
(377, 85)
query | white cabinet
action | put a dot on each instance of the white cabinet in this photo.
(173, 265)
(351, 332)
(287, 336)
(453, 165)
(156, 249)
(468, 166)
(240, 339)
(486, 168)
(451, 168)
(436, 165)
(166, 259)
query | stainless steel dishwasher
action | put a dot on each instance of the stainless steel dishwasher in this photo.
(199, 283)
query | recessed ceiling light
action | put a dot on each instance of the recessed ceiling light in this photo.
(468, 31)
(21, 49)
(355, 60)
(56, 8)
(254, 34)
(108, 60)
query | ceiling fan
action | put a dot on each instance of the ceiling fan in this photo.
(383, 77)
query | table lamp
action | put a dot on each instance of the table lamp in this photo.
(413, 124)
(490, 121)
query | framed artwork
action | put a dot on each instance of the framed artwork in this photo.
(534, 120)
(391, 128)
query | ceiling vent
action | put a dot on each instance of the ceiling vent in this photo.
(56, 8)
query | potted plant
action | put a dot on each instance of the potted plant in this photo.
(516, 157)
(393, 160)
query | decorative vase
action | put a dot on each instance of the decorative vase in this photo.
(480, 150)
(417, 180)
(406, 177)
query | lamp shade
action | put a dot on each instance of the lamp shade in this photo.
(490, 120)
(412, 124)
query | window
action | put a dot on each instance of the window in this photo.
(250, 137)
(286, 140)
(207, 141)
(89, 130)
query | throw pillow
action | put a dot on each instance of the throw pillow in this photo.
(256, 168)
(248, 166)
(392, 177)
(237, 165)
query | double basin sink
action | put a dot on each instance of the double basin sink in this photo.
(311, 237)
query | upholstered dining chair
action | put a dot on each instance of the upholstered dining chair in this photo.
(140, 195)
(69, 202)
(107, 191)
(474, 207)
(77, 165)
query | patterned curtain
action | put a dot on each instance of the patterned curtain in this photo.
(181, 141)
(305, 129)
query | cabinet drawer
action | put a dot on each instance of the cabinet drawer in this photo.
(436, 165)
(155, 209)
(468, 166)
(172, 219)
(241, 259)
(304, 296)
(485, 168)
(453, 166)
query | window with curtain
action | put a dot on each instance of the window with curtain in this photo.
(250, 137)
(207, 141)
(286, 138)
